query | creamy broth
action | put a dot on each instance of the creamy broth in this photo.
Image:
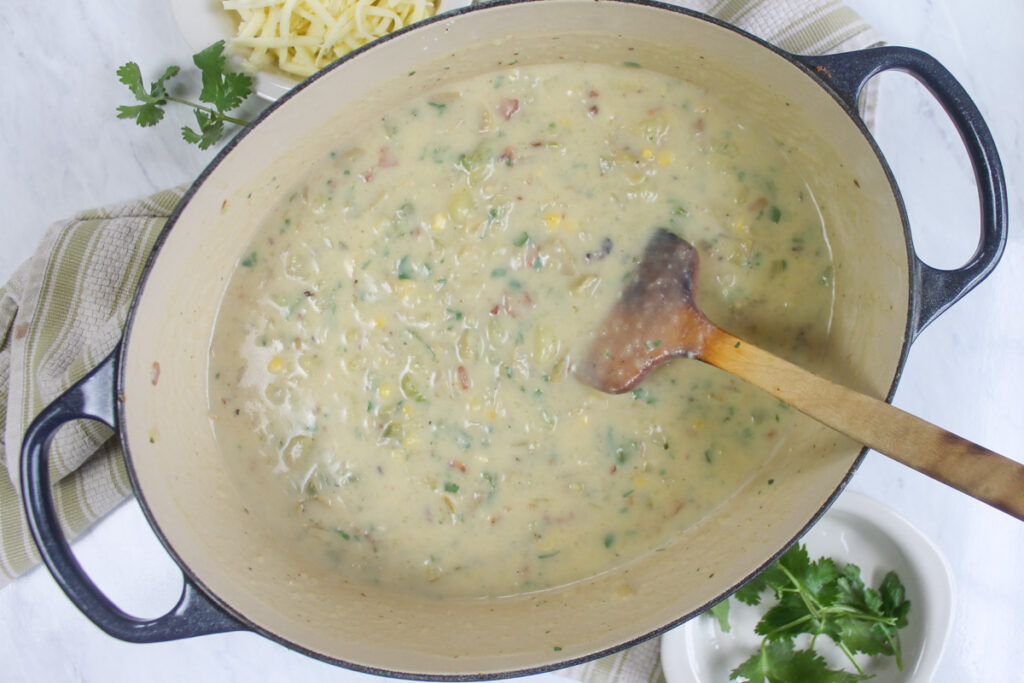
(391, 372)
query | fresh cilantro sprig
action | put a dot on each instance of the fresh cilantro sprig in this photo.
(818, 598)
(222, 90)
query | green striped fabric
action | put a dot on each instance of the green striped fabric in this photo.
(60, 314)
(63, 311)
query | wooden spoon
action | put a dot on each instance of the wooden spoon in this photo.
(657, 319)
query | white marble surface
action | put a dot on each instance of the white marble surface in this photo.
(64, 150)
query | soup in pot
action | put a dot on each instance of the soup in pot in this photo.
(391, 371)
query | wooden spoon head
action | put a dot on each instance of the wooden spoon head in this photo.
(655, 319)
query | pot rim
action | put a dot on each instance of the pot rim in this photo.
(910, 329)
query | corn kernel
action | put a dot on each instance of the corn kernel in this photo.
(647, 153)
(584, 419)
(384, 391)
(379, 321)
(411, 440)
(406, 409)
(553, 220)
(405, 289)
(275, 365)
(697, 425)
(639, 482)
(740, 226)
(546, 545)
(665, 158)
(440, 221)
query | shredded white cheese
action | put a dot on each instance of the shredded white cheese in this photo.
(300, 37)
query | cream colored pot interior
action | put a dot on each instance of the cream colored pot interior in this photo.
(182, 479)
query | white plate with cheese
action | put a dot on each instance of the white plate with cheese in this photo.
(283, 42)
(857, 530)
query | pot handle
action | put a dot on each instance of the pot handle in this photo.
(93, 398)
(936, 289)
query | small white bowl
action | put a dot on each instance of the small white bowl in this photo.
(857, 530)
(204, 22)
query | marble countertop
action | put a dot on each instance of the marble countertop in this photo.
(64, 150)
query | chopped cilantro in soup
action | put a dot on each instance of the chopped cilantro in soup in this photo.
(391, 373)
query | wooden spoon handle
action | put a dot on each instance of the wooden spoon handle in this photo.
(942, 455)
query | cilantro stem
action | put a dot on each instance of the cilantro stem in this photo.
(785, 627)
(849, 655)
(209, 110)
(894, 643)
(812, 605)
(416, 335)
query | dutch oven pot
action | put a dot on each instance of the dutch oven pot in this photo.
(234, 578)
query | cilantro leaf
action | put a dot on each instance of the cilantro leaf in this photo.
(225, 91)
(750, 592)
(894, 599)
(789, 616)
(150, 112)
(210, 131)
(720, 611)
(130, 75)
(144, 114)
(778, 662)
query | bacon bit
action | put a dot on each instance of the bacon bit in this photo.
(508, 107)
(700, 125)
(366, 177)
(614, 469)
(537, 143)
(592, 94)
(386, 158)
(455, 464)
(518, 304)
(531, 256)
(508, 157)
(759, 204)
(593, 111)
(548, 519)
(495, 309)
(155, 374)
(679, 506)
(771, 434)
(465, 382)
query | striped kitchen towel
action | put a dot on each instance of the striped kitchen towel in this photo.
(63, 311)
(60, 314)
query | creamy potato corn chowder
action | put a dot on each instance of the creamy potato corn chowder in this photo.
(391, 373)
